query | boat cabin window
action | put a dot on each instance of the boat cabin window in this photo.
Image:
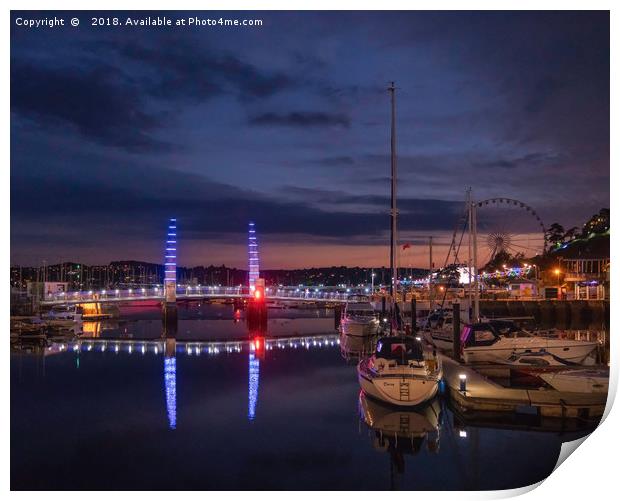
(399, 348)
(480, 335)
(505, 328)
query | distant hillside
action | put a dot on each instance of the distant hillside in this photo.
(594, 247)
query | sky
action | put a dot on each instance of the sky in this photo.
(116, 129)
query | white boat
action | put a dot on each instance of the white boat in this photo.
(359, 319)
(63, 316)
(483, 343)
(400, 372)
(579, 380)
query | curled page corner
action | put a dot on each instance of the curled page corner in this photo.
(513, 493)
(567, 449)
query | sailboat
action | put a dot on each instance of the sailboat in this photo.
(401, 371)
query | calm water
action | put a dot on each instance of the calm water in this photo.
(128, 414)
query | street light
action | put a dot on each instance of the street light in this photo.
(557, 273)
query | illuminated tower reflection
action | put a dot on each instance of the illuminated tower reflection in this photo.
(170, 385)
(254, 373)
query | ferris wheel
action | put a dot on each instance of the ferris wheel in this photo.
(504, 226)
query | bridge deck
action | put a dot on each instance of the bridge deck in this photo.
(197, 293)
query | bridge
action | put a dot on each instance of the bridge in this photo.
(170, 291)
(198, 293)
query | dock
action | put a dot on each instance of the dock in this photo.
(483, 394)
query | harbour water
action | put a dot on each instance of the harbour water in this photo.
(123, 408)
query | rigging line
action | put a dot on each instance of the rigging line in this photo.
(488, 258)
(456, 255)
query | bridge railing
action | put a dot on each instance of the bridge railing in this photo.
(198, 291)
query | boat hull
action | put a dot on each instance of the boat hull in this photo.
(502, 350)
(572, 351)
(392, 389)
(578, 381)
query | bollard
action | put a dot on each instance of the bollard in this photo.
(414, 315)
(463, 382)
(456, 325)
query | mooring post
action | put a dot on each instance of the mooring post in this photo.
(456, 332)
(414, 315)
(337, 316)
(170, 316)
(257, 307)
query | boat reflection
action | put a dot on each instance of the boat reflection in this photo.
(400, 431)
(352, 348)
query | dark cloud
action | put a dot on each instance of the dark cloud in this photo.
(334, 161)
(301, 119)
(204, 207)
(525, 161)
(193, 72)
(95, 102)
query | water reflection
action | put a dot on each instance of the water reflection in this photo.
(401, 431)
(168, 347)
(254, 373)
(170, 387)
(352, 348)
(121, 372)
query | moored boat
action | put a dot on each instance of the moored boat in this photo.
(497, 341)
(63, 316)
(359, 319)
(482, 342)
(400, 372)
(579, 380)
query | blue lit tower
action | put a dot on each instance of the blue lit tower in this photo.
(252, 255)
(170, 263)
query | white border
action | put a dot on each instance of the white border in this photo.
(587, 474)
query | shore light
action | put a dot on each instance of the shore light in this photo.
(463, 382)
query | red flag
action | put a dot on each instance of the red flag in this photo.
(406, 246)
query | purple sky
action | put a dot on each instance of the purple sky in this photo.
(113, 130)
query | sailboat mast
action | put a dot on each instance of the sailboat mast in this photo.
(469, 253)
(393, 242)
(474, 220)
(430, 270)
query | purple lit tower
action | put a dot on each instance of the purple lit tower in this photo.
(252, 255)
(170, 263)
